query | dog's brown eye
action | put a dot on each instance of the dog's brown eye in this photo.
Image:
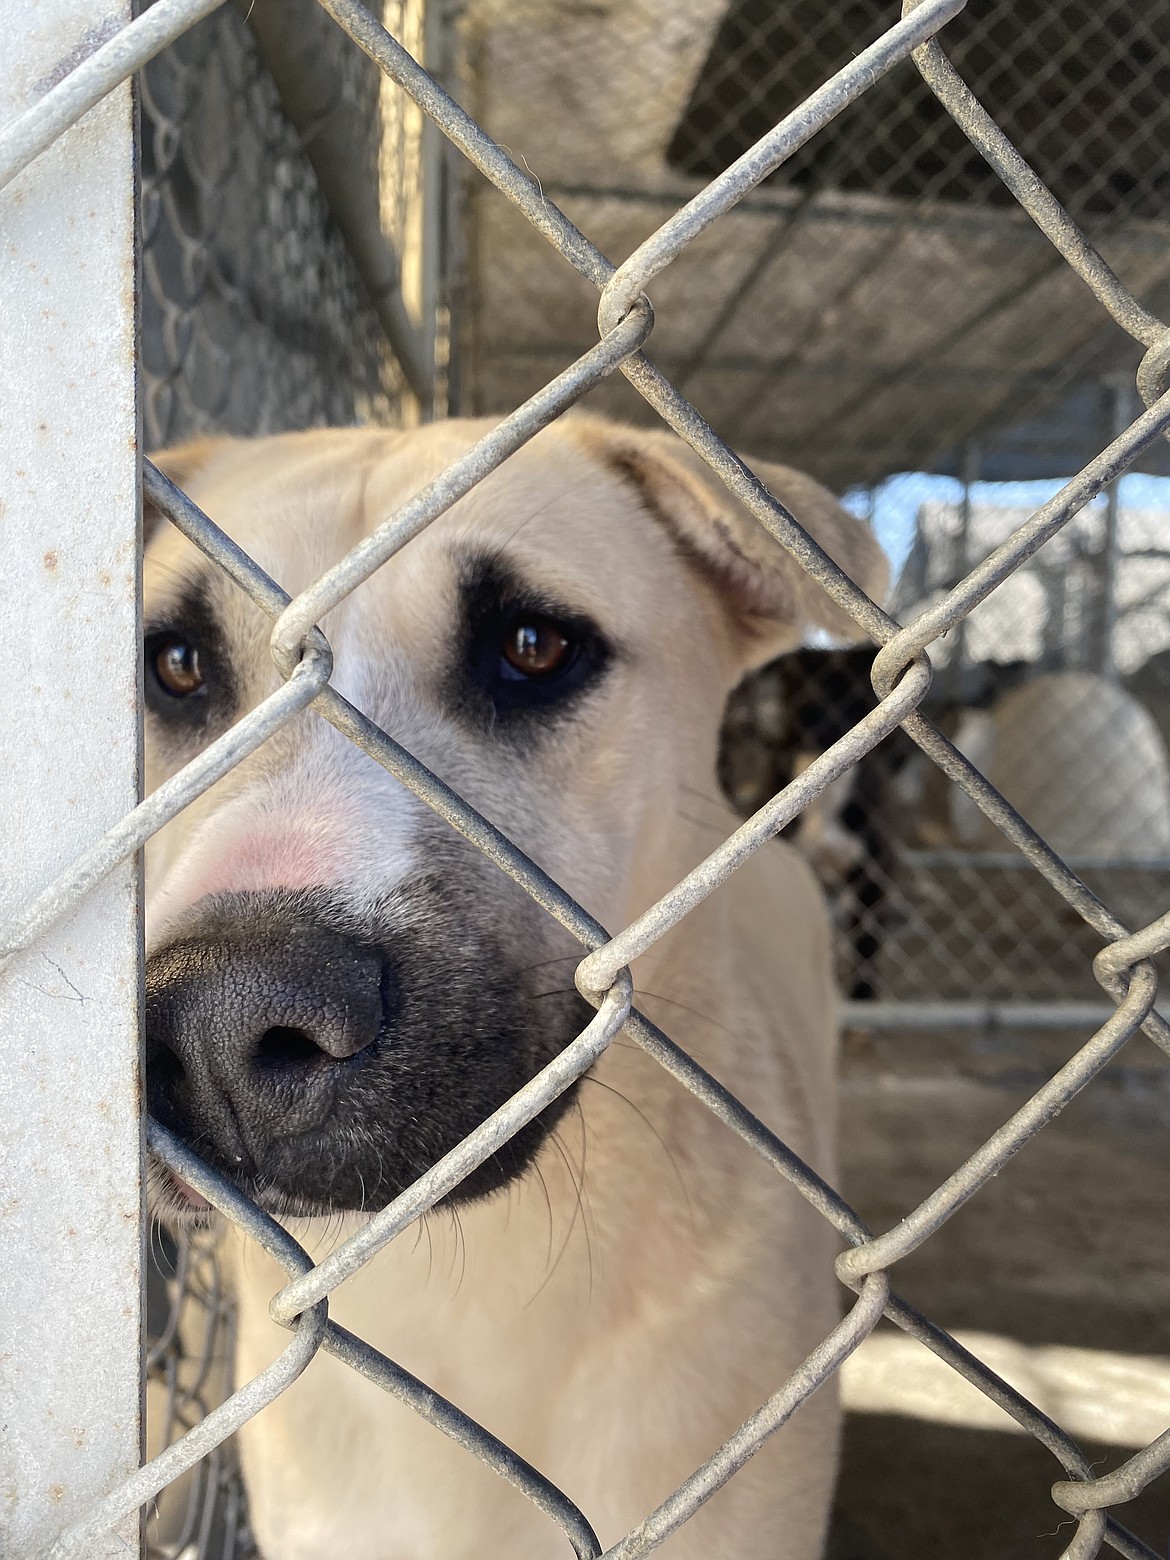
(177, 667)
(534, 647)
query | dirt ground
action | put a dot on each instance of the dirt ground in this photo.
(1070, 1245)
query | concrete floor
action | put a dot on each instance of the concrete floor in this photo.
(1070, 1245)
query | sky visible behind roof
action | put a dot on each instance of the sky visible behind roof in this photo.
(893, 505)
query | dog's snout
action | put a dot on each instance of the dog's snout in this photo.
(323, 1056)
(251, 1016)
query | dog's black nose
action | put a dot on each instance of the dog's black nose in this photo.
(252, 1015)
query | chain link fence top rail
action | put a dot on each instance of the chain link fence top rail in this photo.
(901, 676)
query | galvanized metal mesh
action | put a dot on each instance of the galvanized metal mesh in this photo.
(254, 317)
(878, 306)
(929, 908)
(1079, 90)
(901, 678)
(880, 300)
(190, 1370)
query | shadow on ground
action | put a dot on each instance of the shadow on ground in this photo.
(1070, 1244)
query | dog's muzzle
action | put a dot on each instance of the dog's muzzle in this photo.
(324, 1062)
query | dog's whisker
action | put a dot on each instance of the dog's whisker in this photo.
(461, 1240)
(717, 802)
(163, 567)
(700, 823)
(600, 1083)
(539, 1174)
(578, 1214)
(656, 996)
(426, 1224)
(584, 1191)
(500, 550)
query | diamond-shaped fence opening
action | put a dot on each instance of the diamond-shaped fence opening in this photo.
(294, 211)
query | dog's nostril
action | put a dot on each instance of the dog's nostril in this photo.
(281, 1047)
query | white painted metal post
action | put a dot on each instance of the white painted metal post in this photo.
(70, 1142)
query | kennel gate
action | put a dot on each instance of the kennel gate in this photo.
(71, 1262)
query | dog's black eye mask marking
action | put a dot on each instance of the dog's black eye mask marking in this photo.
(324, 1059)
(521, 660)
(525, 659)
(186, 638)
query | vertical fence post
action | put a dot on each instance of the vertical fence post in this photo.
(70, 1142)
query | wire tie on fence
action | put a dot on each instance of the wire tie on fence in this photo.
(1115, 964)
(595, 989)
(895, 659)
(1153, 368)
(289, 657)
(1082, 1497)
(613, 308)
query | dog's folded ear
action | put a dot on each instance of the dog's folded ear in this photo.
(771, 601)
(180, 463)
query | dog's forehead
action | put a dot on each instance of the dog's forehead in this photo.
(298, 503)
(555, 515)
(292, 504)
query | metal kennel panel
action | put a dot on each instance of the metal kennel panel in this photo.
(879, 303)
(97, 857)
(71, 1230)
(255, 318)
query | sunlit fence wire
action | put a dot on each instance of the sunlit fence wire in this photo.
(901, 675)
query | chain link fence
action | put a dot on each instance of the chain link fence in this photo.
(259, 315)
(1055, 688)
(190, 1369)
(253, 315)
(239, 319)
(878, 311)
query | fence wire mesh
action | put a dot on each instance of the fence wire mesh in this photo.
(190, 1367)
(878, 305)
(878, 302)
(1056, 688)
(901, 677)
(254, 317)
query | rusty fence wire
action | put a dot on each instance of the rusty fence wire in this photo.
(901, 678)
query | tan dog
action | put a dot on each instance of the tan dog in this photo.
(339, 988)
